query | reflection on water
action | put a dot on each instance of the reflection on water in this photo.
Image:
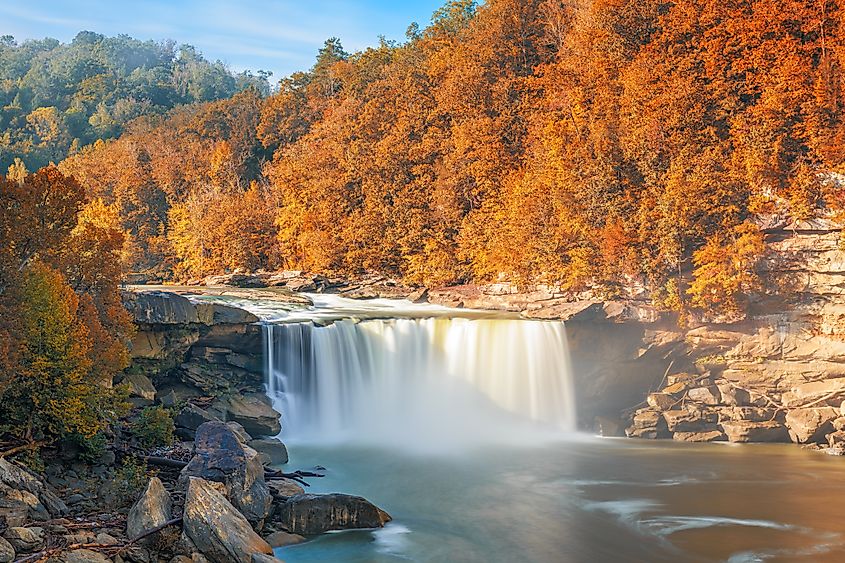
(588, 500)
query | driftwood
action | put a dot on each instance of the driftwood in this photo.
(297, 476)
(22, 448)
(117, 548)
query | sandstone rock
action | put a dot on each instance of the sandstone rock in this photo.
(84, 556)
(220, 456)
(732, 396)
(19, 506)
(688, 419)
(838, 423)
(14, 476)
(217, 529)
(7, 552)
(806, 393)
(708, 395)
(662, 401)
(173, 393)
(271, 450)
(284, 488)
(810, 425)
(217, 313)
(834, 439)
(676, 388)
(281, 539)
(25, 540)
(310, 514)
(753, 414)
(418, 295)
(714, 435)
(141, 389)
(105, 539)
(648, 424)
(192, 417)
(255, 413)
(160, 307)
(152, 509)
(750, 431)
(239, 431)
(686, 379)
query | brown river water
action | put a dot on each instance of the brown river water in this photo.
(586, 500)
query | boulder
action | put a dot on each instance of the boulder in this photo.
(662, 401)
(84, 556)
(281, 539)
(751, 431)
(16, 477)
(271, 450)
(239, 431)
(152, 509)
(189, 419)
(714, 435)
(284, 488)
(19, 506)
(707, 395)
(805, 393)
(688, 419)
(25, 540)
(220, 456)
(7, 552)
(173, 393)
(141, 389)
(161, 308)
(836, 438)
(310, 514)
(810, 425)
(217, 529)
(255, 413)
(732, 396)
(647, 423)
(217, 313)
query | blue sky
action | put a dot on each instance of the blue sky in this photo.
(278, 35)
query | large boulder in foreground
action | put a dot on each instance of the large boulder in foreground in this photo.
(152, 510)
(217, 529)
(255, 413)
(310, 514)
(220, 456)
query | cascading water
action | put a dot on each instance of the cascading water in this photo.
(432, 381)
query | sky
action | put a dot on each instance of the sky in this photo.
(282, 36)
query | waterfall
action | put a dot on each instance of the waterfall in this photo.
(418, 378)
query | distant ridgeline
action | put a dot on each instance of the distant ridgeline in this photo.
(56, 98)
(596, 146)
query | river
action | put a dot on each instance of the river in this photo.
(461, 426)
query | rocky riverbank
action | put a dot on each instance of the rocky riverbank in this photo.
(213, 495)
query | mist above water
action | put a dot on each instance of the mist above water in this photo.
(421, 384)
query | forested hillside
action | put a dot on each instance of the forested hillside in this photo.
(56, 98)
(589, 144)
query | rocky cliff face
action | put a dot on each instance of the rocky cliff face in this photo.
(777, 375)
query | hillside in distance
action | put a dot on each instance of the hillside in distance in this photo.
(56, 98)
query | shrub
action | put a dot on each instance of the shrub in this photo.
(154, 427)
